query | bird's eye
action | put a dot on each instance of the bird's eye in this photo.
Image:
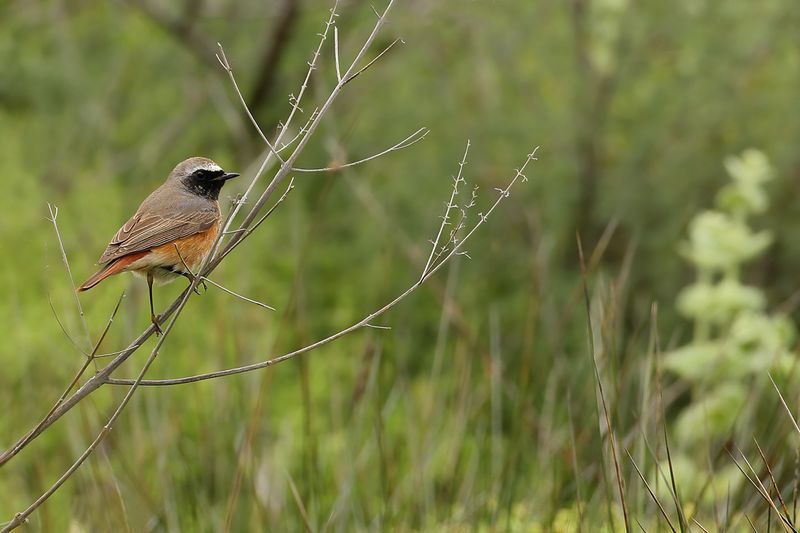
(205, 174)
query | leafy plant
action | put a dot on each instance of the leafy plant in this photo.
(735, 338)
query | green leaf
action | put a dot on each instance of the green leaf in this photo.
(718, 242)
(693, 362)
(719, 303)
(751, 167)
(712, 416)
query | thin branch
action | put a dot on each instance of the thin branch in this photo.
(183, 262)
(223, 60)
(300, 133)
(377, 57)
(237, 295)
(450, 205)
(336, 53)
(64, 329)
(255, 226)
(53, 216)
(354, 327)
(412, 139)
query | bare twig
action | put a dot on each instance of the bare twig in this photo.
(300, 133)
(351, 77)
(250, 230)
(336, 53)
(405, 143)
(448, 207)
(223, 60)
(53, 216)
(183, 262)
(64, 329)
(237, 295)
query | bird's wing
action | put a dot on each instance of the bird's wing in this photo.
(145, 231)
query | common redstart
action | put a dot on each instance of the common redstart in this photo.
(174, 228)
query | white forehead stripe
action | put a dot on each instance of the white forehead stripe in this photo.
(208, 166)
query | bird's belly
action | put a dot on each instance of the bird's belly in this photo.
(168, 261)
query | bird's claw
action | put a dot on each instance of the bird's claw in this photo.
(195, 282)
(199, 284)
(155, 319)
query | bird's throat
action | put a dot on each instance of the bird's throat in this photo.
(208, 190)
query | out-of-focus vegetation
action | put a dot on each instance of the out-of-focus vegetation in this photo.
(478, 408)
(735, 342)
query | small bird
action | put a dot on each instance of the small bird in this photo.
(173, 230)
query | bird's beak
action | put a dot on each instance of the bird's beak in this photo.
(226, 176)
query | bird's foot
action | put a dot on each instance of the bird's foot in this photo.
(200, 283)
(155, 319)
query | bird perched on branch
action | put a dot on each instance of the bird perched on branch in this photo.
(173, 230)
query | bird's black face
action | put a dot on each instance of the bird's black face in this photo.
(207, 182)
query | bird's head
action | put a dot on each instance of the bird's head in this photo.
(201, 176)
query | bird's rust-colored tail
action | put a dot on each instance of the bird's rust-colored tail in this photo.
(114, 267)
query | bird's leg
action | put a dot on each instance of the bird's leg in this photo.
(153, 317)
(188, 274)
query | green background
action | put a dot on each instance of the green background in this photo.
(475, 408)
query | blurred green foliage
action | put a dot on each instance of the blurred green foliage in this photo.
(736, 342)
(480, 412)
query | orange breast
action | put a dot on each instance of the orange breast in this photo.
(193, 249)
